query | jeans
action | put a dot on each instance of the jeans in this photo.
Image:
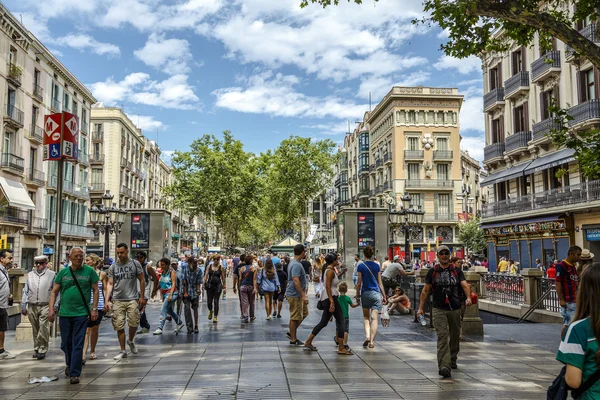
(338, 314)
(247, 297)
(213, 295)
(568, 313)
(167, 308)
(72, 336)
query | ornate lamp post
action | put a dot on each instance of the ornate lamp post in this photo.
(113, 220)
(409, 218)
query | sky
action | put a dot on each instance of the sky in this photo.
(263, 69)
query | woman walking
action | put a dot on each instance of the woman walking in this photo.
(269, 283)
(91, 335)
(169, 292)
(372, 295)
(214, 283)
(578, 349)
(317, 274)
(331, 307)
(248, 288)
(280, 295)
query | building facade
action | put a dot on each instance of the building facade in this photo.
(36, 84)
(538, 203)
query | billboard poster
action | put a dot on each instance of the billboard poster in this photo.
(366, 229)
(140, 231)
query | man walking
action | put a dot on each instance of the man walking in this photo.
(36, 302)
(150, 291)
(6, 259)
(446, 281)
(123, 278)
(388, 277)
(75, 284)
(567, 282)
(296, 294)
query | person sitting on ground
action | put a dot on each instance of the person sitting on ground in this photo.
(389, 276)
(399, 301)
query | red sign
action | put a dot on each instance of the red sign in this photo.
(61, 132)
(70, 136)
(136, 218)
(52, 136)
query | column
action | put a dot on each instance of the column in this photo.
(531, 289)
(472, 323)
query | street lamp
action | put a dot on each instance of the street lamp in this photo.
(409, 218)
(113, 220)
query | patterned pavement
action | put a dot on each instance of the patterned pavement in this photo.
(232, 360)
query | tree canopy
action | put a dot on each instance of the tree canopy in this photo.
(471, 236)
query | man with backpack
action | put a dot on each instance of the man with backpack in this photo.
(446, 282)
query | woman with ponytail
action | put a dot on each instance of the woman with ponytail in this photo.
(579, 347)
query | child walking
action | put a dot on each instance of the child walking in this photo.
(345, 302)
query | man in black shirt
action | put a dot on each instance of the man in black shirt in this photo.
(447, 283)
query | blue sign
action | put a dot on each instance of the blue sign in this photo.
(54, 150)
(592, 235)
(48, 250)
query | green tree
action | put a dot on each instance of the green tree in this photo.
(471, 236)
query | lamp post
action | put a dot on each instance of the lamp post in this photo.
(113, 220)
(409, 218)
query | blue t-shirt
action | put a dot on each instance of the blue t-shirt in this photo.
(295, 269)
(369, 280)
(275, 260)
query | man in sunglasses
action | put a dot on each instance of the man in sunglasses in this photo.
(446, 282)
(35, 304)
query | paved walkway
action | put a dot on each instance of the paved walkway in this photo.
(232, 360)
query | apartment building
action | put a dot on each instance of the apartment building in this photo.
(539, 204)
(410, 144)
(35, 84)
(473, 197)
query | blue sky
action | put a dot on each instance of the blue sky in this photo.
(264, 69)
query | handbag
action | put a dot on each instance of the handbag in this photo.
(87, 306)
(559, 390)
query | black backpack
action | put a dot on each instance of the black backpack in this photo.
(559, 390)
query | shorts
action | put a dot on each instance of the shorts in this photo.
(371, 299)
(568, 313)
(355, 279)
(347, 324)
(279, 296)
(125, 309)
(3, 320)
(298, 310)
(97, 321)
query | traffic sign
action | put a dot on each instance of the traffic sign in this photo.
(70, 135)
(52, 136)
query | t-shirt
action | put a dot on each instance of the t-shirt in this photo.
(71, 304)
(392, 270)
(446, 288)
(283, 280)
(236, 261)
(275, 260)
(566, 274)
(295, 269)
(369, 279)
(306, 265)
(345, 302)
(551, 272)
(125, 280)
(503, 266)
(578, 348)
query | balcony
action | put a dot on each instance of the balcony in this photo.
(36, 134)
(387, 158)
(429, 183)
(37, 225)
(387, 186)
(14, 216)
(96, 188)
(38, 92)
(97, 159)
(123, 162)
(13, 163)
(81, 191)
(68, 187)
(440, 217)
(84, 158)
(55, 105)
(414, 154)
(494, 99)
(84, 127)
(516, 84)
(378, 190)
(443, 155)
(545, 67)
(543, 128)
(14, 74)
(493, 151)
(364, 192)
(363, 147)
(364, 168)
(97, 136)
(72, 230)
(588, 32)
(13, 116)
(379, 163)
(585, 114)
(517, 142)
(567, 197)
(51, 183)
(35, 177)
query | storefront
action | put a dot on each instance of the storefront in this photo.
(547, 238)
(424, 240)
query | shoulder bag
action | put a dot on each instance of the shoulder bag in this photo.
(87, 306)
(559, 390)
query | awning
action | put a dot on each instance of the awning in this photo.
(550, 161)
(506, 174)
(547, 218)
(16, 194)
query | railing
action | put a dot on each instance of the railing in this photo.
(387, 185)
(551, 302)
(84, 127)
(387, 157)
(14, 114)
(588, 32)
(504, 288)
(37, 225)
(97, 136)
(84, 158)
(36, 133)
(363, 192)
(378, 163)
(543, 64)
(52, 182)
(584, 112)
(517, 140)
(72, 230)
(36, 176)
(414, 154)
(13, 162)
(564, 196)
(379, 189)
(97, 187)
(429, 183)
(337, 182)
(543, 128)
(14, 215)
(492, 98)
(442, 154)
(405, 282)
(518, 80)
(14, 73)
(431, 217)
(56, 105)
(68, 187)
(493, 150)
(38, 92)
(96, 158)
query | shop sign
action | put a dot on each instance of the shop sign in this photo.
(532, 227)
(48, 249)
(592, 234)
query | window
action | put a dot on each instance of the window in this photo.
(413, 143)
(36, 80)
(12, 57)
(443, 204)
(417, 200)
(12, 100)
(66, 101)
(74, 109)
(587, 85)
(520, 119)
(501, 191)
(546, 99)
(83, 115)
(496, 77)
(525, 187)
(9, 142)
(413, 171)
(34, 117)
(32, 159)
(441, 143)
(518, 61)
(442, 171)
(498, 130)
(96, 175)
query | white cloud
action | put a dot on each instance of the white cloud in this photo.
(330, 129)
(276, 95)
(172, 56)
(474, 146)
(174, 92)
(146, 122)
(84, 42)
(465, 66)
(380, 86)
(471, 113)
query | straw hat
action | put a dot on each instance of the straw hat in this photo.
(586, 254)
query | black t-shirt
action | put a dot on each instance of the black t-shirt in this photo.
(282, 276)
(446, 288)
(306, 265)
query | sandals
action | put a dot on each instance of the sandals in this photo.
(371, 345)
(345, 352)
(93, 356)
(366, 342)
(310, 347)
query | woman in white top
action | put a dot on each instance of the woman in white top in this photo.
(331, 307)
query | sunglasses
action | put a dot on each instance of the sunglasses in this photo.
(444, 253)
(39, 262)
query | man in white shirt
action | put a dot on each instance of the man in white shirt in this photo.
(388, 277)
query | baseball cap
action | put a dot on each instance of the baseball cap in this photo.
(396, 257)
(442, 247)
(174, 261)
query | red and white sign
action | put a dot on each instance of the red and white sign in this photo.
(52, 136)
(70, 136)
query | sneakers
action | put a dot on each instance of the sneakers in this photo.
(179, 326)
(158, 331)
(121, 355)
(210, 315)
(196, 328)
(278, 315)
(74, 380)
(296, 343)
(215, 320)
(143, 330)
(274, 314)
(445, 372)
(132, 346)
(268, 318)
(289, 335)
(41, 356)
(453, 365)
(6, 356)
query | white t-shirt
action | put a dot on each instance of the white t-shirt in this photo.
(392, 270)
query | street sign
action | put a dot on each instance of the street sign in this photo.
(592, 235)
(70, 136)
(52, 136)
